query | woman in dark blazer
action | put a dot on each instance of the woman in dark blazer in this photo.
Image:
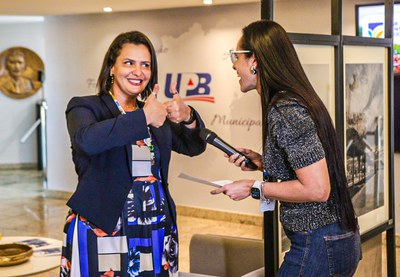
(122, 220)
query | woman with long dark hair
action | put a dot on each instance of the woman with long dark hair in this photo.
(122, 220)
(301, 150)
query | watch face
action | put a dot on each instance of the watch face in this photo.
(255, 193)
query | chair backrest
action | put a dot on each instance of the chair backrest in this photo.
(225, 256)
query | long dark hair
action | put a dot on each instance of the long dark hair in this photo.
(280, 70)
(104, 81)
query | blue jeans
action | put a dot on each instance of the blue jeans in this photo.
(326, 251)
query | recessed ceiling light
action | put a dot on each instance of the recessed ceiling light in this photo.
(207, 2)
(107, 9)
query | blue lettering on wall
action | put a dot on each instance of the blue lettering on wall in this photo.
(191, 86)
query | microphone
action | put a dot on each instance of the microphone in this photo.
(212, 138)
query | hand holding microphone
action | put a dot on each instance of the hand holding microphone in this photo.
(212, 138)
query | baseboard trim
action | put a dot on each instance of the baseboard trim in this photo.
(220, 215)
(18, 166)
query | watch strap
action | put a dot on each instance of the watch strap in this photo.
(192, 117)
(257, 190)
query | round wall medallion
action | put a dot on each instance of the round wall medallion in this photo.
(21, 72)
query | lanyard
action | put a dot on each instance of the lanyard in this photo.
(148, 141)
(121, 110)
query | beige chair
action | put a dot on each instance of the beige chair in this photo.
(186, 274)
(256, 273)
(225, 256)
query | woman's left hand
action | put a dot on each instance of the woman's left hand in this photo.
(255, 157)
(177, 109)
(237, 190)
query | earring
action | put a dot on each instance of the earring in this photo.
(253, 70)
(112, 79)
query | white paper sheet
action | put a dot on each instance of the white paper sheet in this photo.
(217, 184)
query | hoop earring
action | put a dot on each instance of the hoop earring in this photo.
(253, 70)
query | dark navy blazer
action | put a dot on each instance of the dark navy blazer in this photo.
(101, 140)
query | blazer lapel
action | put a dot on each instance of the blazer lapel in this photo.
(109, 102)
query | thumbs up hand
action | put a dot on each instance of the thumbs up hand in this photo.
(154, 110)
(176, 108)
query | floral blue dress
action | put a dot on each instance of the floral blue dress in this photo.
(144, 242)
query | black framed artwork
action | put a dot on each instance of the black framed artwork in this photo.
(366, 132)
(396, 112)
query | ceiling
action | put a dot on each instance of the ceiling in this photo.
(66, 7)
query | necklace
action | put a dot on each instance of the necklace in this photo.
(121, 110)
(148, 141)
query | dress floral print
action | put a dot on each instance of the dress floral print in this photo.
(144, 242)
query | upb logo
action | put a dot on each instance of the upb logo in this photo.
(376, 30)
(191, 86)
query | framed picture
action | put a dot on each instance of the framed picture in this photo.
(366, 132)
(318, 63)
(319, 66)
(396, 112)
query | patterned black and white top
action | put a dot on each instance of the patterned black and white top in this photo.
(293, 143)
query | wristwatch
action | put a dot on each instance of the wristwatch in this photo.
(256, 190)
(191, 119)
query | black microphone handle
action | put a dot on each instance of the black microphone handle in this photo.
(223, 146)
(226, 148)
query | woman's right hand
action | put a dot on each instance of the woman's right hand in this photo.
(155, 111)
(255, 157)
(237, 190)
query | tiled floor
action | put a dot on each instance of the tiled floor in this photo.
(26, 212)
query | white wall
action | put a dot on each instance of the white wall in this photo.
(18, 115)
(74, 47)
(191, 42)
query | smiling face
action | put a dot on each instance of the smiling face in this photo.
(243, 65)
(132, 70)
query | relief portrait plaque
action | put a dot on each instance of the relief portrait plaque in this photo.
(21, 72)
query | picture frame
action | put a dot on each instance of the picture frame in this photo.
(319, 66)
(396, 112)
(366, 132)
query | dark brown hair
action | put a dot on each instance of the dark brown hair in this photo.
(104, 80)
(280, 71)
